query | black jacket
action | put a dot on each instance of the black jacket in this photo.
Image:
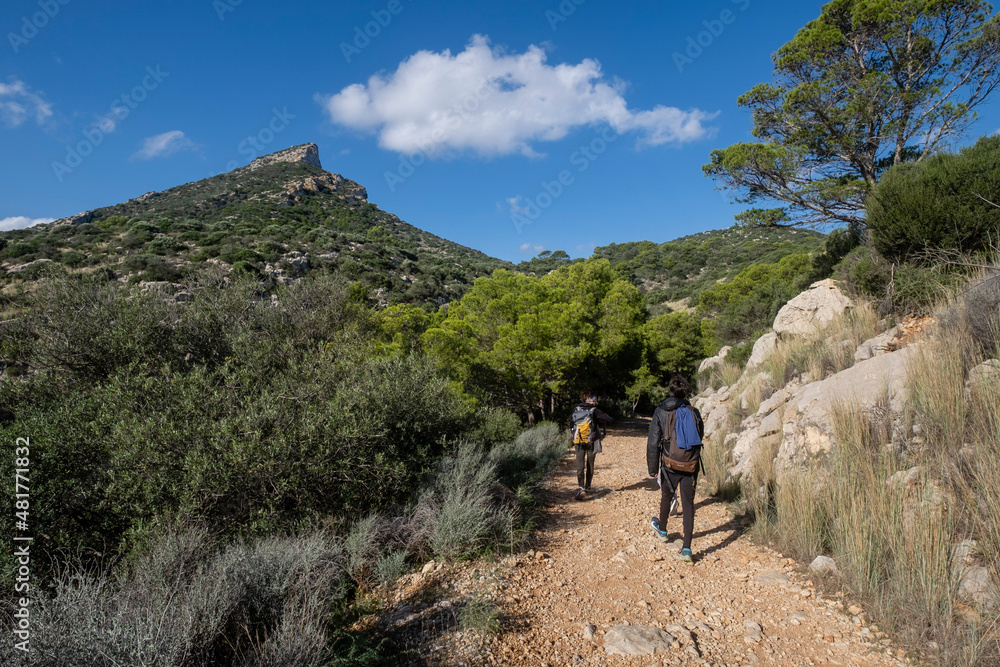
(663, 427)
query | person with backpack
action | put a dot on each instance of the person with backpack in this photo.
(673, 452)
(587, 439)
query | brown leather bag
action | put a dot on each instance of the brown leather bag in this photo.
(680, 466)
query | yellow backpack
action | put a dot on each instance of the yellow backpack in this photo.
(585, 429)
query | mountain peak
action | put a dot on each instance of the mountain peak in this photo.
(308, 153)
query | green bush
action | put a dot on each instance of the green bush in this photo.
(746, 307)
(158, 269)
(494, 426)
(73, 259)
(936, 204)
(896, 289)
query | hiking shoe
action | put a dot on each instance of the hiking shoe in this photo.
(685, 555)
(655, 523)
(581, 494)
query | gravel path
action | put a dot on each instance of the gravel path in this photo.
(598, 562)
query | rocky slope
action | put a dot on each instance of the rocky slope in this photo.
(789, 428)
(279, 217)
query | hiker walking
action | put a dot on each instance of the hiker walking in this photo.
(587, 439)
(673, 452)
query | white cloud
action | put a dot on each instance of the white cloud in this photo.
(528, 248)
(20, 222)
(491, 102)
(18, 103)
(164, 144)
(108, 123)
(515, 206)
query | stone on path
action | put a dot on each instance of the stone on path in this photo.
(637, 640)
(589, 630)
(771, 578)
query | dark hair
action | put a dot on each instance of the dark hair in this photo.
(678, 387)
(584, 396)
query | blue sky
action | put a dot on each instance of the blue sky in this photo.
(600, 140)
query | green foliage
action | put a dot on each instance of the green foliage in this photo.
(230, 409)
(838, 244)
(522, 339)
(546, 262)
(866, 85)
(939, 204)
(745, 307)
(481, 616)
(896, 289)
(675, 345)
(684, 267)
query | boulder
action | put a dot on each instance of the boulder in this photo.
(823, 565)
(807, 430)
(637, 640)
(811, 310)
(763, 349)
(876, 345)
(712, 362)
(982, 378)
(977, 587)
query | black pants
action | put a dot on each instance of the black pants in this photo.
(685, 482)
(584, 466)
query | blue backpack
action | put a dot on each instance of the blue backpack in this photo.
(687, 429)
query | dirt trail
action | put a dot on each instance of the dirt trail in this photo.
(598, 562)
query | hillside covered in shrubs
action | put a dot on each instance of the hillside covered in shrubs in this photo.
(276, 219)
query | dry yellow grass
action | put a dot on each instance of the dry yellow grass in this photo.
(893, 540)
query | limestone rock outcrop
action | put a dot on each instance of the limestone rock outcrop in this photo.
(763, 349)
(812, 310)
(712, 362)
(308, 153)
(876, 385)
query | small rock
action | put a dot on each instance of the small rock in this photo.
(541, 555)
(428, 567)
(823, 564)
(977, 587)
(679, 631)
(589, 630)
(797, 617)
(771, 578)
(854, 610)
